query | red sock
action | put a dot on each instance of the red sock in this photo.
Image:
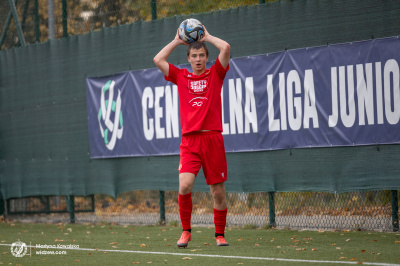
(220, 220)
(185, 210)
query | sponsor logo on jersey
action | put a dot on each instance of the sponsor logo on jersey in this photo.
(197, 101)
(198, 86)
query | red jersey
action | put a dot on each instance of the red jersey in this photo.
(199, 97)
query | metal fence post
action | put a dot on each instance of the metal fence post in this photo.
(17, 24)
(6, 25)
(64, 18)
(162, 207)
(395, 210)
(271, 203)
(153, 9)
(71, 208)
(37, 25)
(2, 205)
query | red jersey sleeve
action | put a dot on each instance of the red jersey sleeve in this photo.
(221, 71)
(172, 74)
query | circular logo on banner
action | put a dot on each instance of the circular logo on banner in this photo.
(110, 115)
(18, 249)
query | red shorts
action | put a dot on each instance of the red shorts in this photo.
(207, 150)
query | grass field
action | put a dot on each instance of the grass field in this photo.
(105, 244)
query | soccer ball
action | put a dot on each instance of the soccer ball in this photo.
(191, 30)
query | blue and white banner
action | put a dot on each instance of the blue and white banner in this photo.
(336, 95)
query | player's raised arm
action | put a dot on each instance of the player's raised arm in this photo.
(161, 58)
(223, 47)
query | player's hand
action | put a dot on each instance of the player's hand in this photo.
(206, 35)
(179, 40)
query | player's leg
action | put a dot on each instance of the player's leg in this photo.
(215, 171)
(186, 182)
(220, 212)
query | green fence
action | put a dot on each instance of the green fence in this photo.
(371, 210)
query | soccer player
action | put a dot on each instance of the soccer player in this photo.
(202, 144)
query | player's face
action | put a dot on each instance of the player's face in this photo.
(198, 59)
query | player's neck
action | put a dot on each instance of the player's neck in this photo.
(199, 72)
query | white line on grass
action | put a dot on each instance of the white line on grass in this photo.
(219, 256)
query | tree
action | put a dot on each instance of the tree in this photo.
(92, 15)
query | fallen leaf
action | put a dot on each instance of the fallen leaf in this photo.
(314, 249)
(257, 245)
(142, 245)
(207, 244)
(186, 258)
(347, 240)
(113, 243)
(342, 258)
(353, 259)
(135, 262)
(77, 260)
(89, 253)
(363, 251)
(397, 242)
(58, 240)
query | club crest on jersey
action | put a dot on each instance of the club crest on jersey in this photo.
(198, 86)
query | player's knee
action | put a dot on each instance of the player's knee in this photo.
(185, 188)
(219, 195)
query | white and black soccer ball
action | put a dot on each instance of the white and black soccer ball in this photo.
(191, 30)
